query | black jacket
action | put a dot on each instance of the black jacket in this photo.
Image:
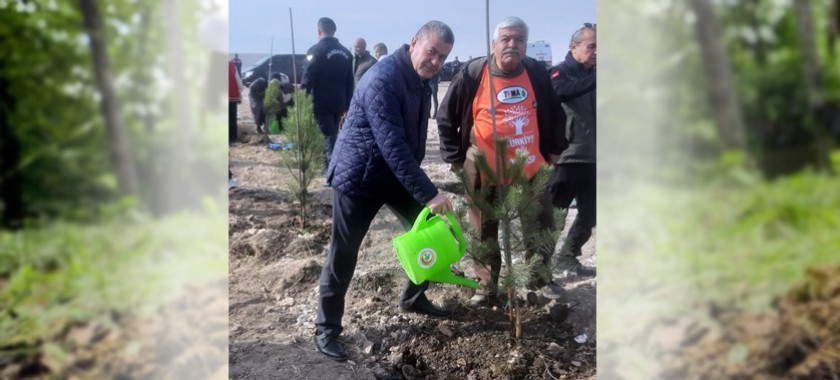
(455, 116)
(328, 76)
(363, 64)
(574, 86)
(256, 93)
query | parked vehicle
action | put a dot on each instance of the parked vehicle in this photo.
(446, 72)
(279, 63)
(541, 51)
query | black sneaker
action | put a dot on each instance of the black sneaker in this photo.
(426, 307)
(329, 346)
(582, 271)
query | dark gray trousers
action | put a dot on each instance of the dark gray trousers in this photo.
(351, 220)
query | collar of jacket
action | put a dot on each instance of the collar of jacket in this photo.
(403, 59)
(575, 65)
(497, 71)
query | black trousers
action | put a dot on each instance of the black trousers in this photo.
(570, 181)
(434, 89)
(328, 124)
(351, 220)
(232, 130)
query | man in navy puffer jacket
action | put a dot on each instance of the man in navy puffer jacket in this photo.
(376, 162)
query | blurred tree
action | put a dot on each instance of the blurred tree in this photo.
(60, 74)
(777, 53)
(720, 87)
(118, 144)
(11, 188)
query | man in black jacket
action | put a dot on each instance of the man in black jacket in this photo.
(523, 114)
(329, 79)
(573, 82)
(362, 60)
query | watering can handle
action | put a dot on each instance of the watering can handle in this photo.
(424, 215)
(462, 246)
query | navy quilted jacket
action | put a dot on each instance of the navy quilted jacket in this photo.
(383, 139)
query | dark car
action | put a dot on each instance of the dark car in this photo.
(446, 72)
(279, 62)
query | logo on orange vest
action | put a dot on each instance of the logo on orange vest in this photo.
(426, 258)
(512, 95)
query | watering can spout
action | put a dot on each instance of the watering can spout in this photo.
(448, 278)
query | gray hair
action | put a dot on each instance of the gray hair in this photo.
(327, 26)
(438, 28)
(577, 36)
(380, 47)
(509, 23)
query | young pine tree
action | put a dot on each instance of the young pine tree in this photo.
(511, 198)
(303, 161)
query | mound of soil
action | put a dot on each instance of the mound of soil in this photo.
(799, 338)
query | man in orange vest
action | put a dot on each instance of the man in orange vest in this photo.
(523, 98)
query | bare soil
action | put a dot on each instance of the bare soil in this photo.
(798, 338)
(274, 269)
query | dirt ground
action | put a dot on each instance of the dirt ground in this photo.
(274, 269)
(797, 338)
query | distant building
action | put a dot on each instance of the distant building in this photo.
(540, 50)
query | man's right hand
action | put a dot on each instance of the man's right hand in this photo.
(455, 166)
(439, 204)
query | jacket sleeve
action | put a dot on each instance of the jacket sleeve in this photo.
(553, 133)
(310, 72)
(388, 128)
(566, 88)
(449, 121)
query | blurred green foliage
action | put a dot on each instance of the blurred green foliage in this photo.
(53, 113)
(736, 239)
(84, 254)
(65, 274)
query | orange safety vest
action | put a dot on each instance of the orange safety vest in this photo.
(516, 120)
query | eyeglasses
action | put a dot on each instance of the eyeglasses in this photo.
(588, 25)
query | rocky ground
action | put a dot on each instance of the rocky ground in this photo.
(274, 268)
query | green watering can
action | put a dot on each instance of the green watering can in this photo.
(274, 127)
(430, 247)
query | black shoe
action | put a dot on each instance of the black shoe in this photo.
(424, 306)
(582, 271)
(329, 346)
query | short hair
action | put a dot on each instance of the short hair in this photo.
(508, 23)
(380, 47)
(577, 36)
(438, 28)
(326, 25)
(360, 41)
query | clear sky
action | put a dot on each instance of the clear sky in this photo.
(253, 23)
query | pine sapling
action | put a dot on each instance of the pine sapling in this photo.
(304, 159)
(513, 199)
